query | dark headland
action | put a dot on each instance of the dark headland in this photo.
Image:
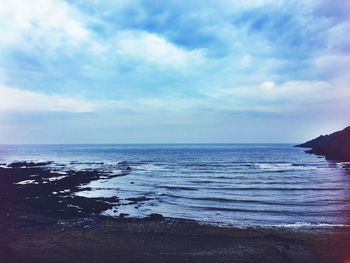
(42, 220)
(335, 146)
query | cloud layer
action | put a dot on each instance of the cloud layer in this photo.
(228, 59)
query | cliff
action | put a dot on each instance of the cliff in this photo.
(335, 146)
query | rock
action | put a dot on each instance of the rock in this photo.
(156, 217)
(123, 215)
(124, 166)
(28, 164)
(335, 146)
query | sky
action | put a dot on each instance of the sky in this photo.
(155, 71)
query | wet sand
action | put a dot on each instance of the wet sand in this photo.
(38, 226)
(166, 240)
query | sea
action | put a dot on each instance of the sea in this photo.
(242, 185)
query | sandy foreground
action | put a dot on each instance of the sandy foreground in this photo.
(39, 226)
(103, 239)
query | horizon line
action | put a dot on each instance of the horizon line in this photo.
(147, 143)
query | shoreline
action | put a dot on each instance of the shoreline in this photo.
(37, 226)
(104, 239)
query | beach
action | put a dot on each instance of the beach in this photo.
(101, 239)
(39, 224)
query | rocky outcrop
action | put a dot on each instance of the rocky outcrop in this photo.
(28, 164)
(335, 146)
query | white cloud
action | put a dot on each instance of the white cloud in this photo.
(295, 88)
(55, 29)
(14, 99)
(332, 65)
(170, 104)
(269, 96)
(268, 85)
(270, 89)
(19, 100)
(233, 4)
(246, 61)
(336, 39)
(42, 24)
(155, 49)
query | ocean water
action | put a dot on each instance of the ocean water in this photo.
(229, 184)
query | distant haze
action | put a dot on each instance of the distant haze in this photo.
(154, 71)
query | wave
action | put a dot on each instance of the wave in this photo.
(87, 163)
(262, 211)
(230, 200)
(308, 225)
(276, 188)
(175, 187)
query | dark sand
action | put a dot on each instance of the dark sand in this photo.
(36, 226)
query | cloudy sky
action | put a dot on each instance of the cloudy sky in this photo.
(155, 71)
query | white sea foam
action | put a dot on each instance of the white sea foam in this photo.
(61, 172)
(64, 191)
(150, 167)
(282, 167)
(309, 225)
(27, 182)
(52, 179)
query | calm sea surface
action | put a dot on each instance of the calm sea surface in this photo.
(234, 184)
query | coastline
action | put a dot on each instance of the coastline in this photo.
(38, 226)
(104, 239)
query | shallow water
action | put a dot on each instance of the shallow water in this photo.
(233, 184)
